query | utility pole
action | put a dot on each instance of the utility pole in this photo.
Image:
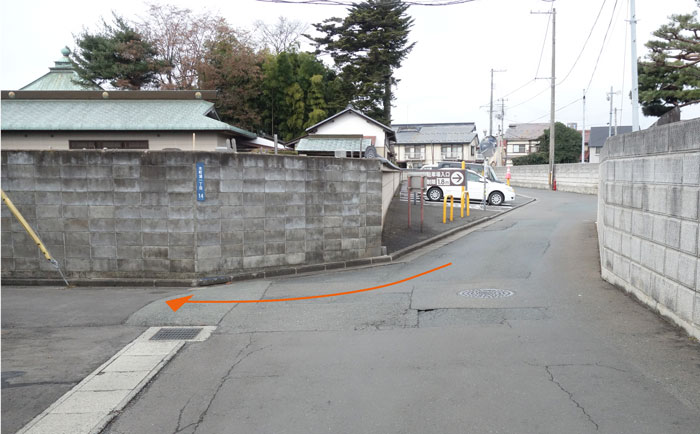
(553, 77)
(610, 123)
(491, 105)
(501, 133)
(615, 120)
(583, 130)
(552, 181)
(635, 79)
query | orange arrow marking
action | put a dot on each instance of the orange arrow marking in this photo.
(177, 303)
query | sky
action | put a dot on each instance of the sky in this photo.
(446, 78)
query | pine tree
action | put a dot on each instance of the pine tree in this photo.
(118, 55)
(367, 47)
(671, 77)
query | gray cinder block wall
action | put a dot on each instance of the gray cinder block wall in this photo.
(574, 177)
(134, 215)
(648, 218)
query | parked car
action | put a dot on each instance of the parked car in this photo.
(429, 166)
(497, 193)
(476, 167)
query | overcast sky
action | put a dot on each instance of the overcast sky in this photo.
(445, 79)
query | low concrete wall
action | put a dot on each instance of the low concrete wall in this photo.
(649, 218)
(391, 180)
(575, 177)
(125, 214)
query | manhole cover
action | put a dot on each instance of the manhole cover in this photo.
(175, 334)
(486, 293)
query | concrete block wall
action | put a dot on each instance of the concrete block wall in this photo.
(124, 214)
(575, 177)
(649, 218)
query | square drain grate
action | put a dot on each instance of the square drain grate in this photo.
(176, 334)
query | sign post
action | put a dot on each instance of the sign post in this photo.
(200, 182)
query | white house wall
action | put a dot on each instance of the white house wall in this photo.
(40, 140)
(350, 123)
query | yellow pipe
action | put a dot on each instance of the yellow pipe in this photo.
(465, 181)
(452, 206)
(26, 226)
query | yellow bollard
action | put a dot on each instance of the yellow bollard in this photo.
(508, 181)
(465, 202)
(444, 210)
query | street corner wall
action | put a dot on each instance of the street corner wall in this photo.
(648, 218)
(574, 177)
(135, 215)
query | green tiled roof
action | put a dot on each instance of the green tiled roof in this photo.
(331, 144)
(61, 77)
(112, 115)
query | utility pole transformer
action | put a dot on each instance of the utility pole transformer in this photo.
(635, 78)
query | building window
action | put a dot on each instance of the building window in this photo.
(597, 151)
(108, 144)
(451, 152)
(415, 152)
(472, 150)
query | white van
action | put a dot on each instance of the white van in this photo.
(497, 193)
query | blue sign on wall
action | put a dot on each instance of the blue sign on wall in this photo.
(200, 182)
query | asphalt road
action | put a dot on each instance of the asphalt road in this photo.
(566, 353)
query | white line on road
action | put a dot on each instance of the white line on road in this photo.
(91, 404)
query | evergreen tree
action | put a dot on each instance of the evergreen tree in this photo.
(671, 77)
(367, 46)
(294, 86)
(567, 147)
(316, 102)
(295, 101)
(117, 55)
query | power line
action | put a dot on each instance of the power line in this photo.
(529, 82)
(529, 99)
(602, 47)
(624, 68)
(557, 110)
(544, 42)
(585, 43)
(532, 80)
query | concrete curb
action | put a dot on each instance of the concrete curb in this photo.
(261, 274)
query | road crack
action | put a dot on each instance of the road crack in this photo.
(571, 396)
(240, 357)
